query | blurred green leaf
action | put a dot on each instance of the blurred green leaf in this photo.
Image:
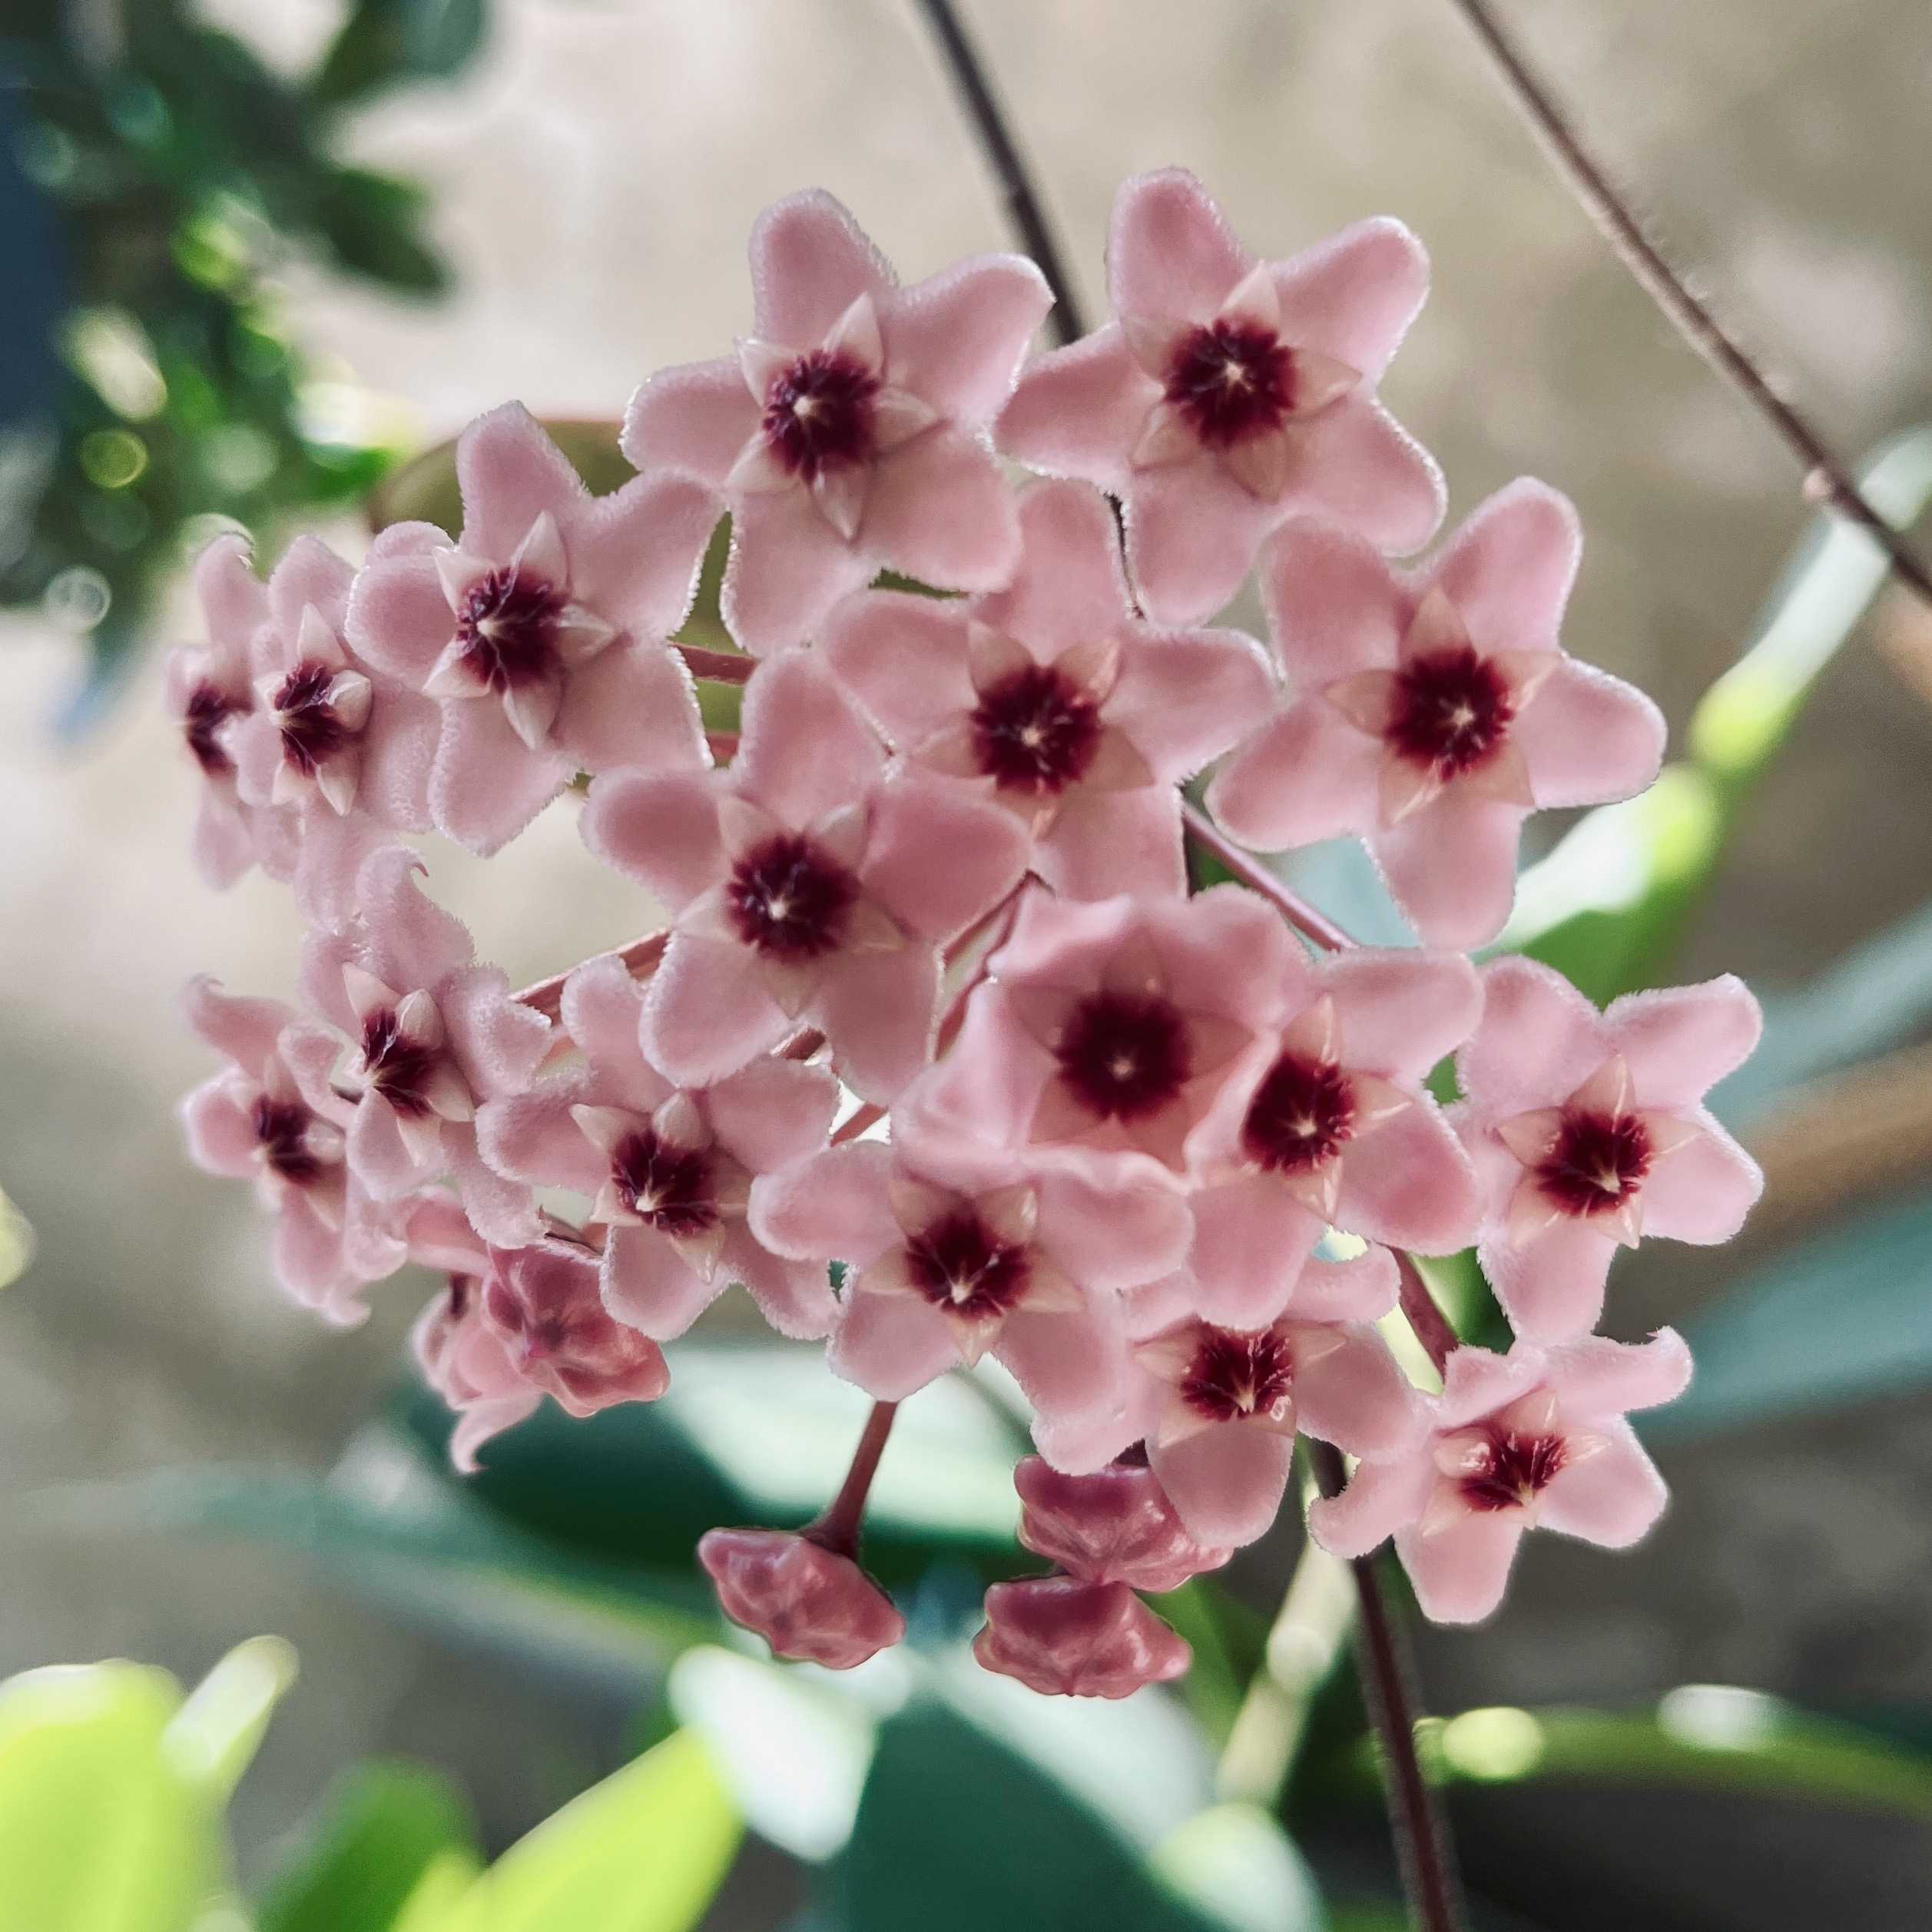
(16, 1243)
(385, 43)
(644, 1851)
(441, 1898)
(1845, 1316)
(372, 225)
(387, 1830)
(1235, 1865)
(213, 1738)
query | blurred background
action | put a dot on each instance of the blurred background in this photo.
(260, 251)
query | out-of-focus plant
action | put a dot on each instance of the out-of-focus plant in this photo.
(155, 175)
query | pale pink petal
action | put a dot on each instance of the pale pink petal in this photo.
(632, 705)
(1333, 608)
(989, 1084)
(1551, 1288)
(879, 1010)
(486, 784)
(902, 657)
(1610, 1498)
(481, 1421)
(1460, 1571)
(511, 473)
(1402, 1011)
(696, 417)
(233, 602)
(220, 1125)
(1103, 842)
(1410, 1183)
(398, 753)
(309, 573)
(1185, 699)
(400, 621)
(1353, 296)
(891, 1345)
(601, 1009)
(1170, 254)
(647, 1285)
(1079, 1445)
(956, 339)
(1702, 1191)
(502, 1210)
(940, 511)
(634, 554)
(1112, 1237)
(532, 1137)
(377, 1157)
(1380, 1499)
(1452, 869)
(810, 262)
(707, 1012)
(1508, 568)
(1357, 1398)
(1307, 775)
(1477, 1380)
(411, 942)
(1354, 463)
(1078, 412)
(1192, 532)
(1594, 1377)
(1362, 1289)
(254, 743)
(243, 1029)
(795, 1297)
(1222, 951)
(937, 859)
(223, 841)
(835, 1205)
(1679, 1042)
(805, 751)
(1589, 738)
(1067, 1363)
(787, 568)
(1538, 1041)
(1226, 1482)
(1251, 1240)
(1069, 588)
(774, 1112)
(309, 1265)
(660, 830)
(498, 1042)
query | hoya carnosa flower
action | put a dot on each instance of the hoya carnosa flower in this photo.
(953, 1254)
(1332, 1126)
(849, 431)
(1054, 699)
(1589, 1131)
(1107, 1031)
(1536, 1438)
(1113, 1525)
(252, 1122)
(1066, 1639)
(808, 1602)
(667, 1169)
(432, 1035)
(1429, 713)
(541, 631)
(1228, 395)
(806, 885)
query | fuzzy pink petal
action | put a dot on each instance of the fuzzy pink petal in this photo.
(787, 568)
(660, 830)
(479, 1422)
(1251, 1239)
(804, 751)
(377, 1157)
(1333, 607)
(510, 474)
(1069, 588)
(1353, 296)
(1612, 1498)
(1410, 1183)
(1460, 1571)
(632, 705)
(1595, 1377)
(810, 262)
(1508, 568)
(309, 573)
(486, 784)
(902, 657)
(254, 743)
(890, 1345)
(1538, 1041)
(399, 618)
(696, 417)
(1068, 1363)
(498, 1043)
(1354, 463)
(1362, 1289)
(245, 1029)
(1192, 532)
(399, 752)
(1552, 1287)
(647, 1285)
(233, 602)
(1078, 412)
(309, 1265)
(1171, 254)
(1588, 737)
(334, 851)
(532, 1137)
(1305, 776)
(1113, 1237)
(1401, 1011)
(1185, 699)
(1103, 842)
(223, 842)
(1226, 1482)
(1477, 1380)
(411, 941)
(221, 1129)
(1357, 1398)
(1380, 1499)
(1701, 1192)
(878, 1009)
(773, 1113)
(795, 1297)
(989, 1084)
(1221, 950)
(1452, 869)
(634, 554)
(956, 339)
(940, 511)
(1679, 1042)
(502, 1210)
(707, 1012)
(835, 1205)
(938, 858)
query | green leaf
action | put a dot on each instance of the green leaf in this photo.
(644, 1851)
(372, 224)
(101, 1830)
(387, 1830)
(213, 1738)
(441, 1899)
(1841, 1318)
(386, 43)
(1236, 1866)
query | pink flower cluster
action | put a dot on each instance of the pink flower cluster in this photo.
(1145, 1152)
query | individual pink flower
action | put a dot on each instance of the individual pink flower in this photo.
(1106, 1031)
(252, 1122)
(1066, 1639)
(1590, 1130)
(953, 1254)
(1228, 395)
(1054, 699)
(433, 1036)
(666, 1169)
(1114, 1525)
(808, 1602)
(849, 431)
(1534, 1438)
(805, 886)
(1333, 1126)
(1430, 713)
(541, 632)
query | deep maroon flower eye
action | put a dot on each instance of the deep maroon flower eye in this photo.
(208, 708)
(399, 1068)
(1035, 731)
(1231, 380)
(960, 1265)
(507, 625)
(818, 413)
(1515, 1469)
(1233, 1375)
(789, 899)
(1451, 710)
(281, 1126)
(312, 733)
(1125, 1055)
(667, 1187)
(1302, 1114)
(1597, 1163)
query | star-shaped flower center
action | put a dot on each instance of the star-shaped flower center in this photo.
(1234, 1375)
(1125, 1056)
(313, 730)
(789, 900)
(398, 1065)
(1511, 1469)
(1597, 1161)
(667, 1187)
(1303, 1114)
(961, 1266)
(282, 1130)
(207, 709)
(1449, 710)
(1231, 379)
(506, 626)
(819, 412)
(1036, 729)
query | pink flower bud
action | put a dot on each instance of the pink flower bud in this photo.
(1066, 1639)
(807, 1602)
(1113, 1527)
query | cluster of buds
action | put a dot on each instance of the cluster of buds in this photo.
(934, 1002)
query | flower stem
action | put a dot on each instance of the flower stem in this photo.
(1827, 479)
(1313, 924)
(1422, 1840)
(717, 667)
(640, 957)
(1423, 1313)
(837, 1527)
